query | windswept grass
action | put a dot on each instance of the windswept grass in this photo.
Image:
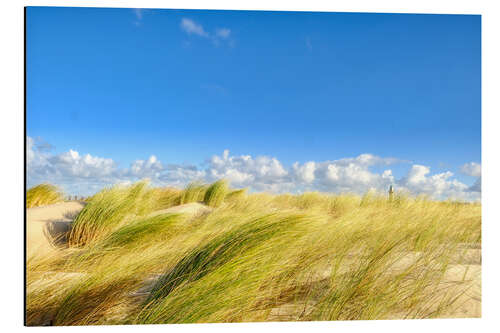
(43, 194)
(215, 194)
(166, 197)
(194, 192)
(108, 210)
(317, 256)
(222, 249)
(236, 195)
(145, 229)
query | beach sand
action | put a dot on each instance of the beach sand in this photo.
(46, 226)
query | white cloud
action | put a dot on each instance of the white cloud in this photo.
(67, 168)
(305, 172)
(343, 175)
(150, 168)
(417, 175)
(244, 171)
(191, 27)
(85, 174)
(72, 164)
(220, 35)
(471, 169)
(440, 186)
(180, 175)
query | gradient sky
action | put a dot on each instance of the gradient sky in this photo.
(184, 85)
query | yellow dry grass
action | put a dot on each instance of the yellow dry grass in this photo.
(257, 257)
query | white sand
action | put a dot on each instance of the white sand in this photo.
(193, 208)
(47, 226)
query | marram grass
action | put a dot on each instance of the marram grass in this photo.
(319, 256)
(109, 209)
(215, 193)
(43, 194)
(194, 192)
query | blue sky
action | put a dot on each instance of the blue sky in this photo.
(185, 85)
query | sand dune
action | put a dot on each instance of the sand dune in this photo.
(460, 282)
(193, 208)
(46, 226)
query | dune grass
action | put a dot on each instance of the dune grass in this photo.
(194, 192)
(43, 194)
(109, 209)
(319, 256)
(215, 193)
(166, 197)
(235, 195)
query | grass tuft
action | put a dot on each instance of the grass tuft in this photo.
(194, 192)
(43, 194)
(108, 210)
(215, 193)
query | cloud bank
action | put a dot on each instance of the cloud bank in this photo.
(85, 174)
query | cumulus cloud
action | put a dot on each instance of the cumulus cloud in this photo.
(85, 173)
(304, 173)
(261, 173)
(439, 185)
(344, 175)
(150, 168)
(72, 164)
(180, 175)
(68, 167)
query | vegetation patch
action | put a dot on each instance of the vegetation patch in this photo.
(43, 194)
